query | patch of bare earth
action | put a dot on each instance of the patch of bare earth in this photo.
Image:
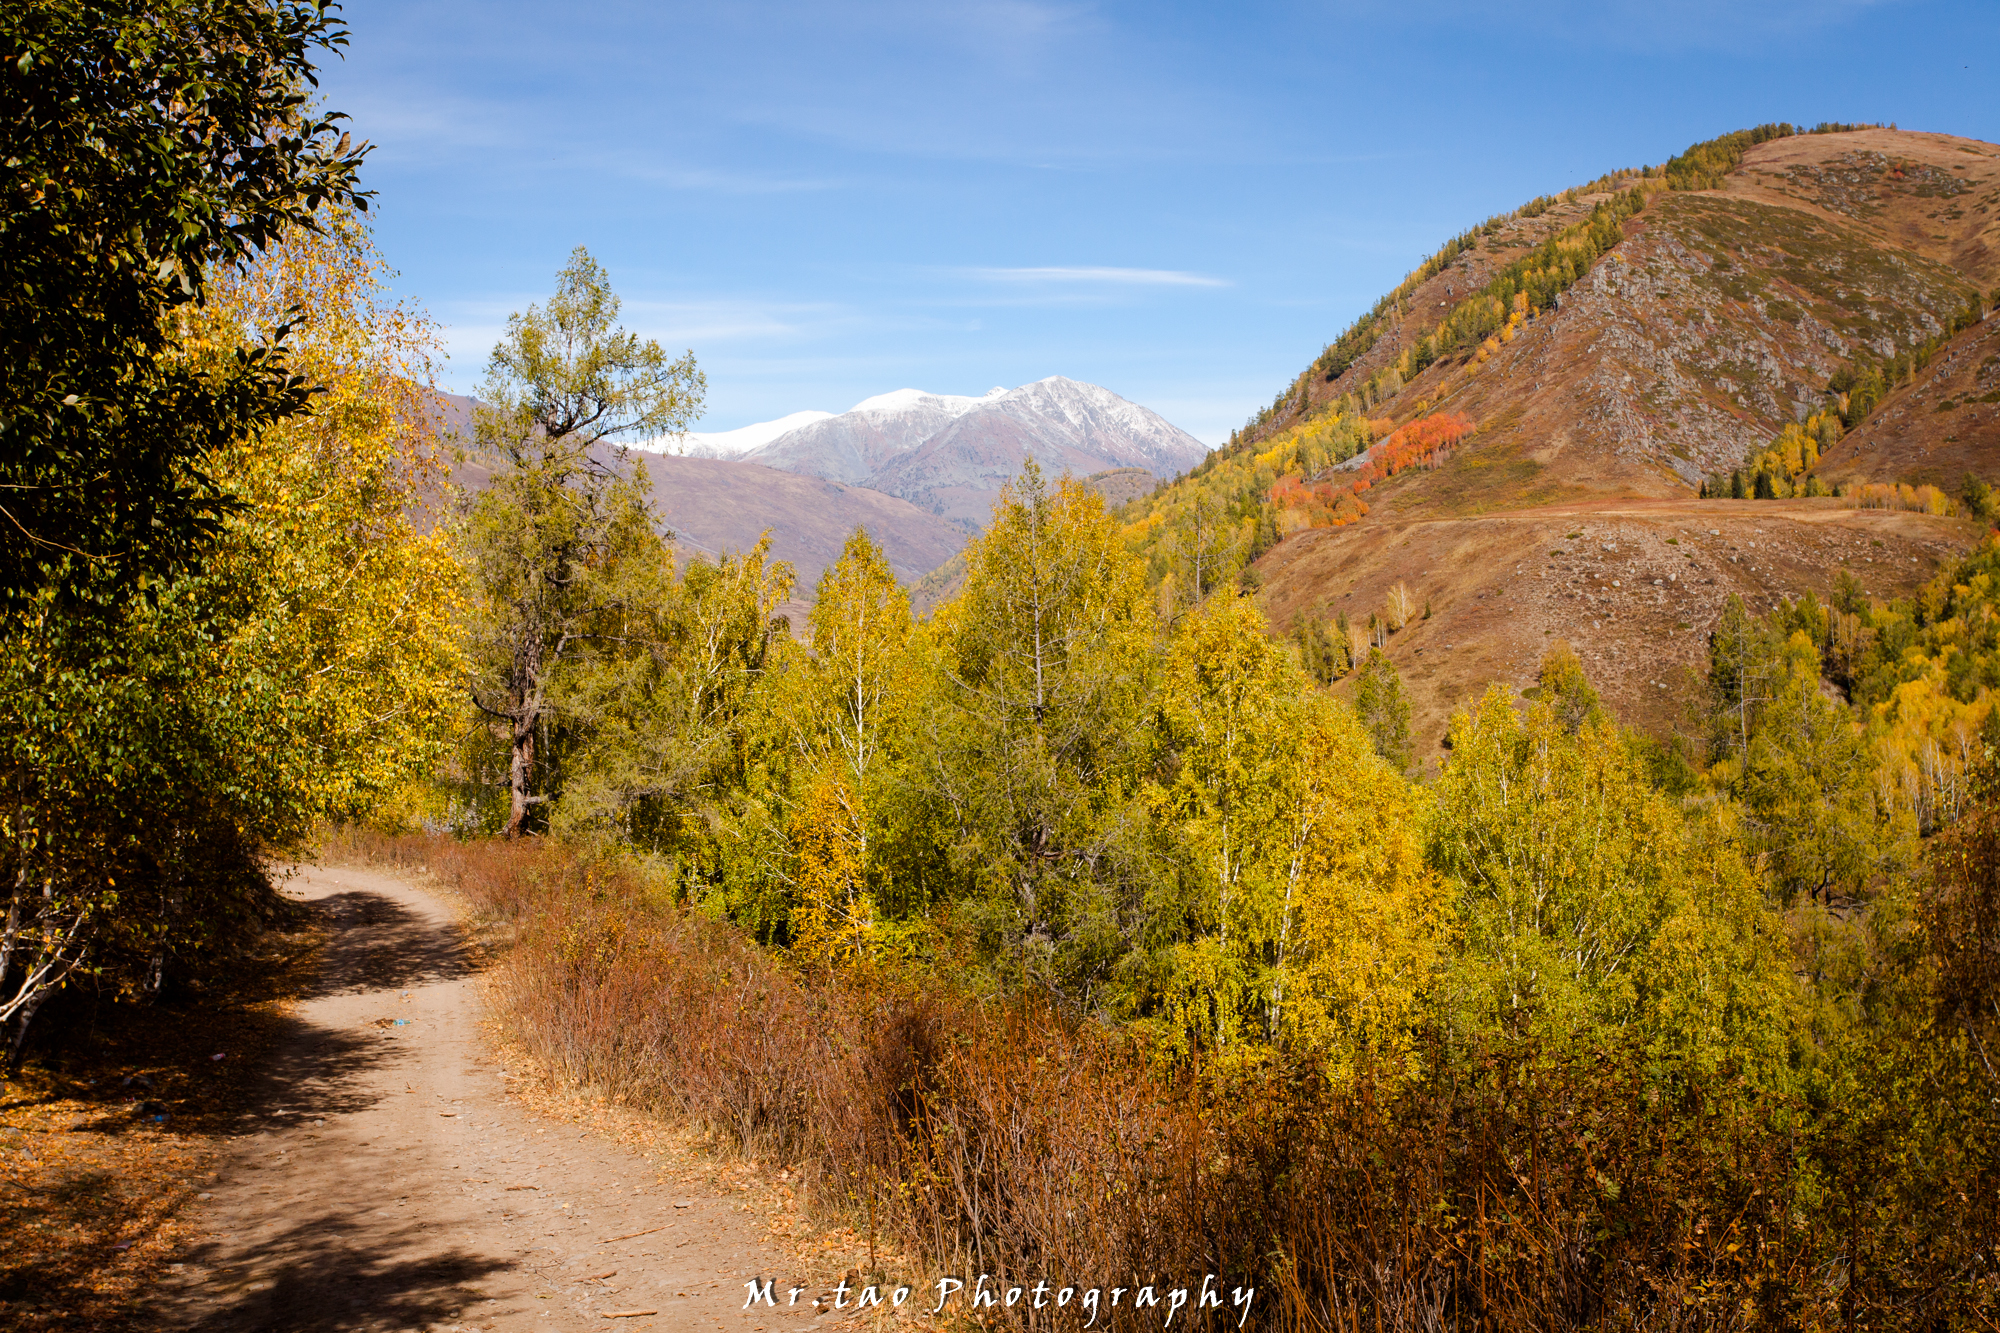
(1634, 586)
(105, 1143)
(377, 1159)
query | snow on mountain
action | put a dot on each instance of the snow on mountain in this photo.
(897, 400)
(734, 443)
(951, 453)
(853, 446)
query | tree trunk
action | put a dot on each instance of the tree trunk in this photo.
(520, 771)
(19, 1049)
(526, 697)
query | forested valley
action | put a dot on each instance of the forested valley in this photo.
(1088, 926)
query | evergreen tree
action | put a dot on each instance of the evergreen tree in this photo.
(1384, 710)
(562, 385)
(1034, 739)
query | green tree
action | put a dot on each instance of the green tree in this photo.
(1384, 710)
(1807, 787)
(658, 685)
(1030, 752)
(154, 753)
(562, 387)
(1594, 909)
(147, 148)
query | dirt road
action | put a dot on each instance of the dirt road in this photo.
(388, 1181)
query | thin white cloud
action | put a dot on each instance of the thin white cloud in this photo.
(1123, 277)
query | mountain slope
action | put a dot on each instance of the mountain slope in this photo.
(1610, 349)
(856, 444)
(1720, 316)
(952, 455)
(1935, 430)
(716, 504)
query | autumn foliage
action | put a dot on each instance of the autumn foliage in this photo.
(1333, 499)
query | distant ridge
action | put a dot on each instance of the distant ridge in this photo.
(714, 505)
(950, 454)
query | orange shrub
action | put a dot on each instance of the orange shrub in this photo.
(1333, 503)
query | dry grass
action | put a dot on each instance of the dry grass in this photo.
(1521, 1193)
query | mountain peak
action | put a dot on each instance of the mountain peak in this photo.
(902, 400)
(951, 453)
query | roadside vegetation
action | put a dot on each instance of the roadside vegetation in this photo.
(1075, 930)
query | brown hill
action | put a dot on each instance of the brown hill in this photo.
(1942, 425)
(716, 504)
(1634, 586)
(1718, 316)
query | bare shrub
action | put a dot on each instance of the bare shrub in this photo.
(1518, 1191)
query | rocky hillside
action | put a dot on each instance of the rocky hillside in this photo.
(950, 456)
(1719, 316)
(1615, 347)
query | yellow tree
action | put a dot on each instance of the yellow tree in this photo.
(1364, 925)
(1223, 719)
(1315, 921)
(350, 588)
(859, 672)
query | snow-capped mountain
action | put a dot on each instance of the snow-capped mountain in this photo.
(735, 443)
(853, 446)
(951, 454)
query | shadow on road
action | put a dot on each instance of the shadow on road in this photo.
(98, 1138)
(330, 1271)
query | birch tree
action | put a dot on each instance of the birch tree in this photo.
(1033, 745)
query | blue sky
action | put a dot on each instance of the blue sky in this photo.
(1182, 202)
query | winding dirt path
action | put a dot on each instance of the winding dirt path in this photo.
(388, 1181)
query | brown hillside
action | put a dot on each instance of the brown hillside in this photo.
(1931, 194)
(1720, 317)
(1942, 425)
(1633, 586)
(716, 504)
